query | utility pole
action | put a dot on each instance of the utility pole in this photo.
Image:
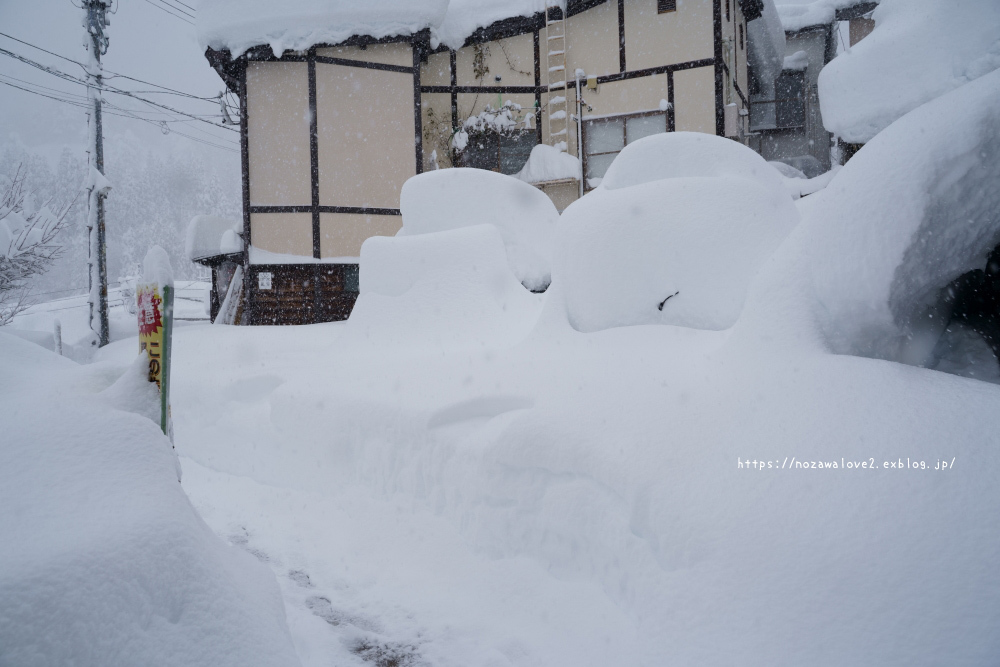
(96, 42)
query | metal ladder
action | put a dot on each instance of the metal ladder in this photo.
(558, 104)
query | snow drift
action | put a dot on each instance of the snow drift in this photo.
(104, 561)
(453, 198)
(919, 49)
(673, 235)
(913, 210)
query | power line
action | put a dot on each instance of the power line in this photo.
(118, 91)
(174, 6)
(167, 11)
(126, 113)
(115, 75)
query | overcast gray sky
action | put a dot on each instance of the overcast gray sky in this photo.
(146, 43)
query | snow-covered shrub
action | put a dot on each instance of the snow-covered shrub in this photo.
(913, 210)
(453, 198)
(674, 234)
(450, 288)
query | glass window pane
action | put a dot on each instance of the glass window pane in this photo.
(515, 151)
(597, 165)
(604, 136)
(643, 126)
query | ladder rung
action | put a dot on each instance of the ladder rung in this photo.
(551, 37)
(559, 133)
(556, 53)
(557, 84)
(559, 99)
(557, 68)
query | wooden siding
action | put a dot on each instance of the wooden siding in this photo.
(300, 293)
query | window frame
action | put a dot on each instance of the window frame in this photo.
(624, 117)
(666, 6)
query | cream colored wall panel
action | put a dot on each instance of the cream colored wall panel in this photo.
(653, 39)
(388, 54)
(694, 100)
(512, 59)
(284, 233)
(278, 119)
(436, 108)
(629, 96)
(592, 41)
(341, 235)
(366, 135)
(437, 70)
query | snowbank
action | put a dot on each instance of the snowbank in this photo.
(211, 236)
(452, 198)
(238, 25)
(677, 229)
(449, 289)
(548, 163)
(913, 210)
(919, 49)
(104, 561)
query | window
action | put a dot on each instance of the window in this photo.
(741, 37)
(727, 10)
(604, 138)
(663, 6)
(790, 100)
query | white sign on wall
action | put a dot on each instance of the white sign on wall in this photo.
(264, 280)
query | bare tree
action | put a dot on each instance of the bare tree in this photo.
(27, 244)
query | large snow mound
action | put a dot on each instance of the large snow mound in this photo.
(674, 234)
(453, 198)
(103, 559)
(443, 289)
(912, 210)
(919, 49)
(238, 25)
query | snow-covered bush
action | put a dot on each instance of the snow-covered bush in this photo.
(919, 49)
(27, 244)
(674, 234)
(453, 198)
(913, 210)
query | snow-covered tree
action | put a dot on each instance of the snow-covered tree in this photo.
(27, 243)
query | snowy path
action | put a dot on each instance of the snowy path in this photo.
(577, 500)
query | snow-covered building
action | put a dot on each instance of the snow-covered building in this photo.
(342, 101)
(785, 119)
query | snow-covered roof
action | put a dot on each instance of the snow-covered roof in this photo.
(919, 50)
(800, 14)
(295, 25)
(212, 236)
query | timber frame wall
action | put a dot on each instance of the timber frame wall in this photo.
(234, 73)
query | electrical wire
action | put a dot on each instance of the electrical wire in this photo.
(105, 88)
(126, 114)
(167, 11)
